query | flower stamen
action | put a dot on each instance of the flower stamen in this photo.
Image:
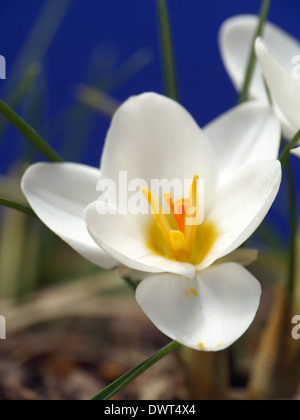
(158, 215)
(193, 212)
(180, 241)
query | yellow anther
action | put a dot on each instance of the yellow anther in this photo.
(194, 195)
(192, 217)
(181, 236)
(158, 214)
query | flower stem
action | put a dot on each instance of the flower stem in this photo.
(124, 380)
(286, 151)
(293, 231)
(16, 206)
(244, 96)
(29, 133)
(167, 51)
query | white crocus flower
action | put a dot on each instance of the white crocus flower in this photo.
(279, 58)
(200, 304)
(283, 85)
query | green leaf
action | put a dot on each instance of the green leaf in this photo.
(286, 151)
(42, 32)
(29, 133)
(293, 218)
(16, 206)
(24, 85)
(252, 58)
(124, 380)
(20, 91)
(167, 51)
(291, 277)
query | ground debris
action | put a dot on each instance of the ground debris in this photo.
(74, 359)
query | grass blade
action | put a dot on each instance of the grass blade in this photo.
(286, 151)
(29, 133)
(16, 206)
(293, 231)
(97, 100)
(20, 91)
(41, 36)
(244, 96)
(167, 51)
(124, 380)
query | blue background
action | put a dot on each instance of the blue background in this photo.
(109, 33)
(121, 27)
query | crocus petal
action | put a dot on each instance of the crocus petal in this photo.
(59, 193)
(207, 313)
(153, 137)
(281, 83)
(236, 37)
(241, 205)
(247, 133)
(296, 152)
(124, 237)
(235, 42)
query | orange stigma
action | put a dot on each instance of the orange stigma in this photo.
(184, 238)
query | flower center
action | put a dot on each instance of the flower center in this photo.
(178, 235)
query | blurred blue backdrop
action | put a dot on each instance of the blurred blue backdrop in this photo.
(114, 43)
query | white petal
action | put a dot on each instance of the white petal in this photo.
(288, 129)
(124, 237)
(207, 313)
(236, 37)
(281, 83)
(246, 134)
(241, 206)
(235, 41)
(153, 137)
(59, 193)
(296, 152)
